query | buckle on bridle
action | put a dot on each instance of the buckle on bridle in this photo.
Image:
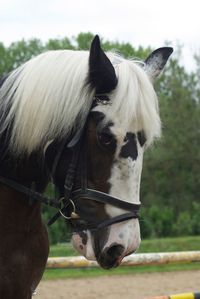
(73, 215)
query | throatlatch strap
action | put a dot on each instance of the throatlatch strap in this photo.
(75, 146)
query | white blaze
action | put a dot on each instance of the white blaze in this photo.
(125, 184)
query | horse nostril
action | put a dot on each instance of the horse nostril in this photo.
(115, 251)
(111, 256)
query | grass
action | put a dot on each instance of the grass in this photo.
(154, 245)
(95, 272)
(62, 250)
(170, 244)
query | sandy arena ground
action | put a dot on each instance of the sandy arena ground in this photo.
(136, 286)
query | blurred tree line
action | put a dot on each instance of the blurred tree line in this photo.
(171, 178)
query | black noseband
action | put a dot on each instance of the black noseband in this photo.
(110, 200)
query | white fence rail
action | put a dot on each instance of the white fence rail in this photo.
(131, 260)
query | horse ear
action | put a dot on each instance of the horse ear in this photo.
(156, 61)
(101, 71)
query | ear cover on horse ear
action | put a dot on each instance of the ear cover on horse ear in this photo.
(156, 61)
(102, 75)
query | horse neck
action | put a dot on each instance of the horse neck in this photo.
(13, 204)
(16, 212)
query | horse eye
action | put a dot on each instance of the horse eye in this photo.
(105, 138)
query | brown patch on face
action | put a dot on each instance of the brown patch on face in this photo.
(99, 163)
(84, 237)
(100, 158)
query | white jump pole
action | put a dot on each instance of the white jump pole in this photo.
(131, 260)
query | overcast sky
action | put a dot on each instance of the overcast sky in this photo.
(140, 22)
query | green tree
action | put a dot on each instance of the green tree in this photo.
(171, 169)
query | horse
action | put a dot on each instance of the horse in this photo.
(81, 119)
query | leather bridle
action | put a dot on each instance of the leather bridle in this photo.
(68, 203)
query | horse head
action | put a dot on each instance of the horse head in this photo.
(123, 120)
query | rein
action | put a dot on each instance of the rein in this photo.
(68, 204)
(31, 194)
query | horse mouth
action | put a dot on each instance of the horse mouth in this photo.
(111, 258)
(105, 264)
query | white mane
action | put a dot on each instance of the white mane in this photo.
(48, 94)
